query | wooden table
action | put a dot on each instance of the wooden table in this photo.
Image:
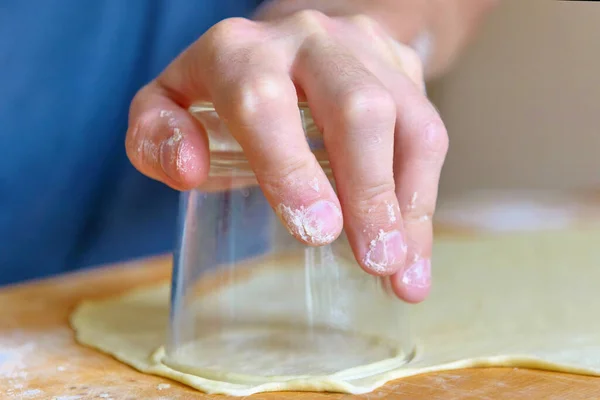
(39, 358)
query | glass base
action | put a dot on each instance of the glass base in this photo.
(249, 353)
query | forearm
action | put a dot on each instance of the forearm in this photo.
(437, 29)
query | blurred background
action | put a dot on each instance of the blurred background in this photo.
(522, 105)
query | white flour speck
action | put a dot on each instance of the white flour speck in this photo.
(413, 201)
(176, 137)
(375, 266)
(184, 156)
(173, 146)
(166, 113)
(172, 122)
(163, 386)
(31, 393)
(314, 184)
(391, 212)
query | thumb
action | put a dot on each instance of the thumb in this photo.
(164, 141)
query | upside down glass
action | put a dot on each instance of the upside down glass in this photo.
(250, 301)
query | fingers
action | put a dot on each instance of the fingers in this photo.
(164, 142)
(261, 107)
(421, 146)
(386, 143)
(254, 95)
(357, 115)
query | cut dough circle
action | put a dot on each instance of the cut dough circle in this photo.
(521, 300)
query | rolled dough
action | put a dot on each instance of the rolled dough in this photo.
(521, 300)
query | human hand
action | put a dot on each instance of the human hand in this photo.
(385, 141)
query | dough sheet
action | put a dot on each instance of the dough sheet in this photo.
(518, 300)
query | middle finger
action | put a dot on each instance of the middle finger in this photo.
(357, 116)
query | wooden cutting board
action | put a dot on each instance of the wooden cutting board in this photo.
(39, 358)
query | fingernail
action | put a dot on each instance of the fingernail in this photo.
(385, 252)
(418, 274)
(318, 224)
(169, 150)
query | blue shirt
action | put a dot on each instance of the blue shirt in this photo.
(69, 197)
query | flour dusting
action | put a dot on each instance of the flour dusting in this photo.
(381, 253)
(184, 156)
(418, 274)
(27, 356)
(14, 361)
(412, 204)
(31, 393)
(314, 184)
(302, 223)
(148, 151)
(391, 212)
(368, 261)
(176, 137)
(173, 141)
(166, 113)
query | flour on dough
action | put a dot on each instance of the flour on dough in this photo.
(523, 300)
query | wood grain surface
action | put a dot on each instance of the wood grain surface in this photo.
(39, 358)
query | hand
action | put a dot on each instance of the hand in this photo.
(385, 141)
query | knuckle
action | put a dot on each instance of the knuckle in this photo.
(253, 95)
(363, 21)
(290, 173)
(310, 21)
(370, 198)
(295, 167)
(367, 102)
(228, 31)
(434, 140)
